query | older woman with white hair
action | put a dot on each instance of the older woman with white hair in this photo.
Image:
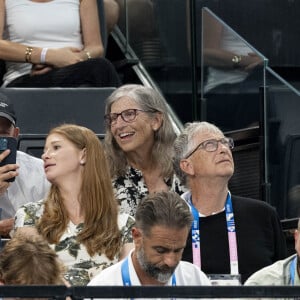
(138, 142)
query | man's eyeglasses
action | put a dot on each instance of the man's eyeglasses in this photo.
(212, 145)
(127, 115)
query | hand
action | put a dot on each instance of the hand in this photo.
(40, 69)
(252, 61)
(63, 57)
(6, 226)
(6, 172)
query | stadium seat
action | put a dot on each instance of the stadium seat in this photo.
(40, 109)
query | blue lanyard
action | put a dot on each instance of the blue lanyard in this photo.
(126, 276)
(230, 230)
(293, 270)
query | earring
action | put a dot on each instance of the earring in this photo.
(82, 162)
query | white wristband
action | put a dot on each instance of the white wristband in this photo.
(43, 55)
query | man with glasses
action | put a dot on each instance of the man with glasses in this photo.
(231, 237)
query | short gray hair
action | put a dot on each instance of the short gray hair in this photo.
(164, 209)
(185, 143)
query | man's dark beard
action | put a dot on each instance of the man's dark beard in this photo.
(160, 274)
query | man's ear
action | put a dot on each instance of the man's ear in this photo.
(136, 235)
(187, 167)
(16, 132)
(296, 236)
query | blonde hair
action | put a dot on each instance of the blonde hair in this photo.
(100, 233)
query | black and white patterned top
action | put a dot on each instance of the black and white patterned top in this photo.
(131, 188)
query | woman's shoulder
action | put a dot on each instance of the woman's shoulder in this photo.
(31, 210)
(126, 222)
(27, 214)
(33, 205)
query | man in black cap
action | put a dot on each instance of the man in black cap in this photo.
(30, 183)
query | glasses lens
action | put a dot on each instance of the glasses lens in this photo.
(128, 115)
(111, 118)
(210, 145)
(228, 142)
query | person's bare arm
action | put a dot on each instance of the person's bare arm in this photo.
(6, 226)
(91, 29)
(11, 51)
(213, 53)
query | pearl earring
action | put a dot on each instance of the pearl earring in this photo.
(82, 162)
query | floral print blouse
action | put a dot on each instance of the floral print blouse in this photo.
(81, 267)
(131, 188)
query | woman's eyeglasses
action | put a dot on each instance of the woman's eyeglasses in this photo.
(127, 115)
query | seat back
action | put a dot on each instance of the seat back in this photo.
(40, 109)
(291, 177)
(246, 180)
(33, 144)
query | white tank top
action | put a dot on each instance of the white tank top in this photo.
(53, 24)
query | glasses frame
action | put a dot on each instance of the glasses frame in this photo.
(203, 144)
(109, 122)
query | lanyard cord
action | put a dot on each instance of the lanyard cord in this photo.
(126, 275)
(293, 270)
(234, 269)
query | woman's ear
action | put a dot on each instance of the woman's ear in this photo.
(157, 121)
(83, 156)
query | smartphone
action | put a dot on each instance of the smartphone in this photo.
(8, 143)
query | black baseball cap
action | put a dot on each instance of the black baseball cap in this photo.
(7, 109)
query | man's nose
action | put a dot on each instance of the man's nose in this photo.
(171, 259)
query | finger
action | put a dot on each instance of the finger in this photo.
(4, 154)
(6, 226)
(4, 177)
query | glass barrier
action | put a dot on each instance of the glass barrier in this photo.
(166, 36)
(209, 71)
(157, 31)
(282, 142)
(232, 74)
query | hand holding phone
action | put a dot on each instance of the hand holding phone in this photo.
(9, 160)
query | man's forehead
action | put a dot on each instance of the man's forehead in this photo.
(5, 122)
(207, 135)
